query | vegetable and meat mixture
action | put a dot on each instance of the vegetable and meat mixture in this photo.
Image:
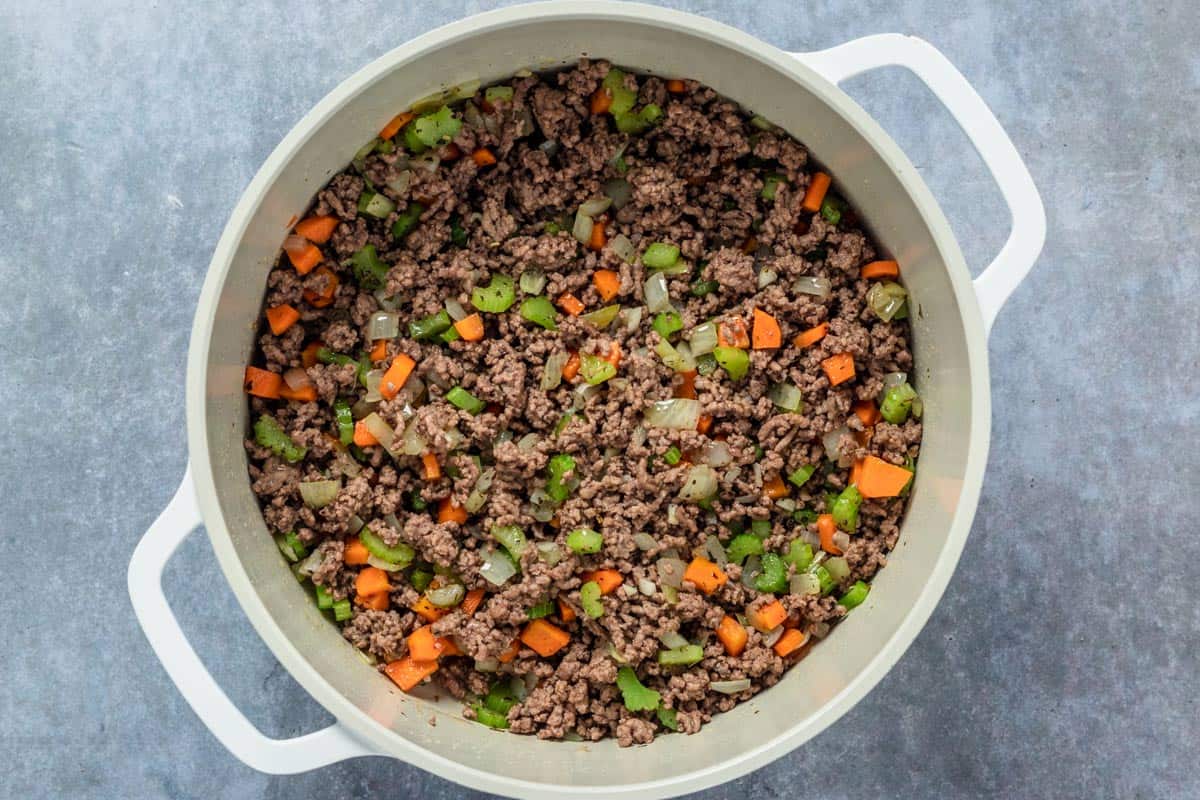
(584, 397)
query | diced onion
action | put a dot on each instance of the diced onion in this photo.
(549, 147)
(786, 396)
(623, 248)
(751, 571)
(454, 437)
(597, 205)
(497, 567)
(786, 504)
(646, 587)
(532, 281)
(670, 571)
(832, 443)
(918, 407)
(680, 413)
(730, 687)
(672, 640)
(655, 290)
(487, 664)
(644, 541)
(680, 361)
(712, 546)
(413, 444)
(808, 284)
(638, 437)
(379, 429)
(619, 192)
(310, 564)
(427, 162)
(549, 552)
(541, 507)
(455, 309)
(373, 379)
(894, 379)
(772, 636)
(552, 370)
(716, 454)
(631, 318)
(446, 596)
(528, 442)
(701, 483)
(820, 629)
(318, 494)
(581, 394)
(615, 158)
(703, 338)
(401, 182)
(804, 583)
(386, 301)
(296, 378)
(386, 566)
(766, 277)
(355, 524)
(479, 492)
(629, 589)
(582, 229)
(672, 515)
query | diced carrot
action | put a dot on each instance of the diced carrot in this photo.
(433, 470)
(732, 333)
(856, 473)
(607, 283)
(362, 436)
(811, 336)
(544, 638)
(393, 380)
(325, 296)
(570, 304)
(775, 488)
(317, 229)
(881, 479)
(732, 635)
(608, 579)
(597, 239)
(706, 575)
(262, 383)
(881, 269)
(424, 646)
(614, 354)
(376, 602)
(571, 368)
(304, 258)
(308, 357)
(379, 350)
(867, 412)
(408, 672)
(826, 528)
(448, 512)
(427, 610)
(565, 611)
(601, 100)
(449, 646)
(371, 580)
(750, 245)
(838, 368)
(815, 193)
(676, 86)
(282, 317)
(470, 328)
(687, 385)
(791, 641)
(511, 653)
(355, 552)
(471, 602)
(766, 334)
(704, 424)
(305, 394)
(768, 617)
(397, 122)
(483, 157)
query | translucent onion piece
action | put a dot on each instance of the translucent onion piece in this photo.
(318, 494)
(471, 116)
(426, 162)
(582, 229)
(631, 318)
(601, 318)
(804, 583)
(918, 407)
(616, 156)
(549, 552)
(454, 437)
(541, 507)
(820, 629)
(373, 379)
(296, 378)
(528, 442)
(894, 379)
(716, 454)
(629, 589)
(715, 551)
(786, 396)
(670, 571)
(552, 370)
(478, 496)
(623, 248)
(619, 192)
(355, 524)
(597, 205)
(655, 290)
(638, 437)
(581, 394)
(646, 587)
(487, 664)
(310, 564)
(832, 443)
(730, 687)
(672, 639)
(703, 338)
(674, 358)
(751, 571)
(413, 444)
(380, 430)
(680, 413)
(807, 284)
(447, 596)
(841, 540)
(644, 541)
(672, 515)
(549, 147)
(455, 309)
(772, 636)
(786, 504)
(766, 277)
(386, 301)
(532, 281)
(401, 182)
(701, 483)
(497, 567)
(386, 566)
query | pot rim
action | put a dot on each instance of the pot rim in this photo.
(382, 739)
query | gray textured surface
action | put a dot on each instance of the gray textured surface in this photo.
(1063, 660)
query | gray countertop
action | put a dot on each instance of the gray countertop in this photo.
(1063, 659)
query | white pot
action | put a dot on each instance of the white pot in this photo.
(952, 317)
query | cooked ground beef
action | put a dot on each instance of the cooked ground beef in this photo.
(489, 439)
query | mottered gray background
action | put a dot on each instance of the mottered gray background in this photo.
(1062, 661)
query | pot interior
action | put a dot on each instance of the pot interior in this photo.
(825, 683)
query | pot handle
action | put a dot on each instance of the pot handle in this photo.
(215, 709)
(1010, 266)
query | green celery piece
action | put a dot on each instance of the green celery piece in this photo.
(400, 554)
(845, 508)
(660, 255)
(774, 576)
(589, 600)
(269, 434)
(490, 718)
(684, 656)
(799, 555)
(666, 323)
(855, 595)
(461, 398)
(342, 610)
(497, 297)
(542, 609)
(407, 220)
(735, 361)
(673, 455)
(557, 487)
(636, 696)
(897, 403)
(761, 528)
(494, 94)
(743, 545)
(431, 326)
(668, 718)
(324, 598)
(801, 475)
(595, 369)
(512, 538)
(436, 127)
(539, 311)
(345, 421)
(585, 540)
